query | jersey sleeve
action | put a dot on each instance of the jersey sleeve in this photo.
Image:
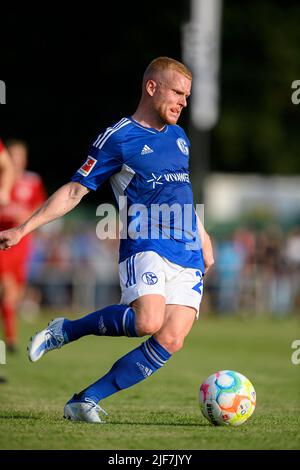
(1, 145)
(101, 163)
(183, 135)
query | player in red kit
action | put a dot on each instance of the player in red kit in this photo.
(7, 178)
(26, 196)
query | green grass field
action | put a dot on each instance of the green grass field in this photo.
(161, 412)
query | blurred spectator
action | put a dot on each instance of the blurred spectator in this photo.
(256, 272)
(292, 248)
(292, 253)
(229, 263)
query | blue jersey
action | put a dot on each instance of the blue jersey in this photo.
(149, 168)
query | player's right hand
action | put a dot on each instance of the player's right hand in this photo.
(9, 238)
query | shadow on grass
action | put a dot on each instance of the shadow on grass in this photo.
(153, 423)
(29, 416)
(18, 415)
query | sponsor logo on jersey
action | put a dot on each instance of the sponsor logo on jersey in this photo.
(181, 177)
(154, 180)
(183, 146)
(149, 278)
(87, 166)
(169, 178)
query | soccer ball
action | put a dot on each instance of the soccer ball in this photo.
(227, 398)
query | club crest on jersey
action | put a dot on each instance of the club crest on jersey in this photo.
(149, 278)
(183, 146)
(87, 166)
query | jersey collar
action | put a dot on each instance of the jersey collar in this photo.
(149, 129)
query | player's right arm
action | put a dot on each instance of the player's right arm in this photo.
(207, 248)
(61, 202)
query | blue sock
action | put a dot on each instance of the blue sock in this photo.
(132, 368)
(115, 320)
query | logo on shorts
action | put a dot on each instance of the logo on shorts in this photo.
(149, 278)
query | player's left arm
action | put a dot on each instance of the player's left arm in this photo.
(207, 247)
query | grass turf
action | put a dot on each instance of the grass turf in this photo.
(161, 412)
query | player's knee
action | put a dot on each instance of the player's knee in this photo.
(147, 324)
(171, 343)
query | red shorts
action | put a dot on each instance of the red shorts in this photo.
(14, 260)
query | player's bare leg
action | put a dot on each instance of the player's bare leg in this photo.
(179, 320)
(150, 313)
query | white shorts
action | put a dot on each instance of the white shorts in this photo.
(149, 273)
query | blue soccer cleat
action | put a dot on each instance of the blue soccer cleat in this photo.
(50, 338)
(86, 410)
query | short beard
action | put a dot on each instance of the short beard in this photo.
(165, 120)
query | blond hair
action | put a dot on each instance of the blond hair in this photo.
(161, 64)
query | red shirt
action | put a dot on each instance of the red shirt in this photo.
(27, 195)
(1, 145)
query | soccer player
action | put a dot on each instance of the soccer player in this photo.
(27, 195)
(146, 158)
(7, 178)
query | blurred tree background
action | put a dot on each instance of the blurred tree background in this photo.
(259, 125)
